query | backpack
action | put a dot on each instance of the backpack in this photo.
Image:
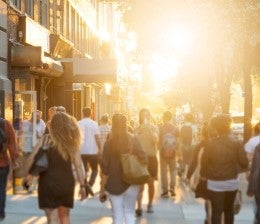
(3, 136)
(169, 145)
(186, 134)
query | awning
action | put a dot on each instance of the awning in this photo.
(50, 68)
(94, 70)
(26, 59)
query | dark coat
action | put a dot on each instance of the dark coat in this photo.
(254, 177)
(223, 158)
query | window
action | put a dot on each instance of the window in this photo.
(29, 7)
(43, 12)
(16, 3)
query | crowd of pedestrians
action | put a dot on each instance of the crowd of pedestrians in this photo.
(205, 157)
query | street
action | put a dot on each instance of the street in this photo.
(183, 209)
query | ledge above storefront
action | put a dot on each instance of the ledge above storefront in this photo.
(28, 59)
(93, 70)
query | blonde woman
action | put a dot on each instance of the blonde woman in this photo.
(57, 184)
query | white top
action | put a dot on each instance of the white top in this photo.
(40, 128)
(251, 144)
(27, 128)
(89, 129)
(223, 185)
(104, 130)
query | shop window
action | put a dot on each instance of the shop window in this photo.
(29, 7)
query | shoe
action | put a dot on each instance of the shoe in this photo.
(138, 212)
(172, 192)
(2, 217)
(150, 209)
(164, 195)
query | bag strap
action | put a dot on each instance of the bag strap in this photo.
(46, 141)
(131, 143)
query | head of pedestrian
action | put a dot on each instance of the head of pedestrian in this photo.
(61, 109)
(119, 125)
(38, 116)
(51, 111)
(144, 116)
(104, 118)
(189, 117)
(222, 123)
(257, 129)
(167, 116)
(86, 111)
(65, 134)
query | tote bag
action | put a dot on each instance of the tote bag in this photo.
(134, 171)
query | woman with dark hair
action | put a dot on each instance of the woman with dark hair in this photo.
(57, 184)
(122, 195)
(220, 165)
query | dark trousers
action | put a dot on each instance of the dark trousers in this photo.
(92, 161)
(3, 182)
(222, 202)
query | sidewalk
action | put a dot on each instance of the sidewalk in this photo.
(183, 209)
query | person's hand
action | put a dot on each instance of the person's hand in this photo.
(249, 194)
(27, 182)
(102, 196)
(15, 164)
(82, 193)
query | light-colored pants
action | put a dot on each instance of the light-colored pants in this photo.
(167, 166)
(123, 205)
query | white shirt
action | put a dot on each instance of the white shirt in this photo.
(251, 144)
(27, 128)
(104, 130)
(89, 129)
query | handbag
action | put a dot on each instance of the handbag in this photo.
(40, 160)
(134, 171)
(201, 190)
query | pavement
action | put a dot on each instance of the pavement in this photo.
(23, 208)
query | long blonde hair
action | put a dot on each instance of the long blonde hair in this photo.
(65, 135)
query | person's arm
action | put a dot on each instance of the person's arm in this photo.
(98, 142)
(12, 146)
(194, 161)
(250, 188)
(81, 177)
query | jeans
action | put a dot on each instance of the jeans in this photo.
(123, 205)
(222, 202)
(165, 165)
(4, 171)
(92, 160)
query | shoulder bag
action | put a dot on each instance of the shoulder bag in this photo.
(40, 160)
(134, 171)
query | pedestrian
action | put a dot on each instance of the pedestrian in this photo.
(122, 195)
(51, 112)
(9, 154)
(148, 136)
(56, 185)
(201, 191)
(104, 129)
(91, 145)
(254, 182)
(29, 140)
(221, 158)
(250, 148)
(61, 109)
(188, 140)
(168, 145)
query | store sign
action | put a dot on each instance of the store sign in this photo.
(37, 35)
(26, 56)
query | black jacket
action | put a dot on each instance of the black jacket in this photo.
(223, 158)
